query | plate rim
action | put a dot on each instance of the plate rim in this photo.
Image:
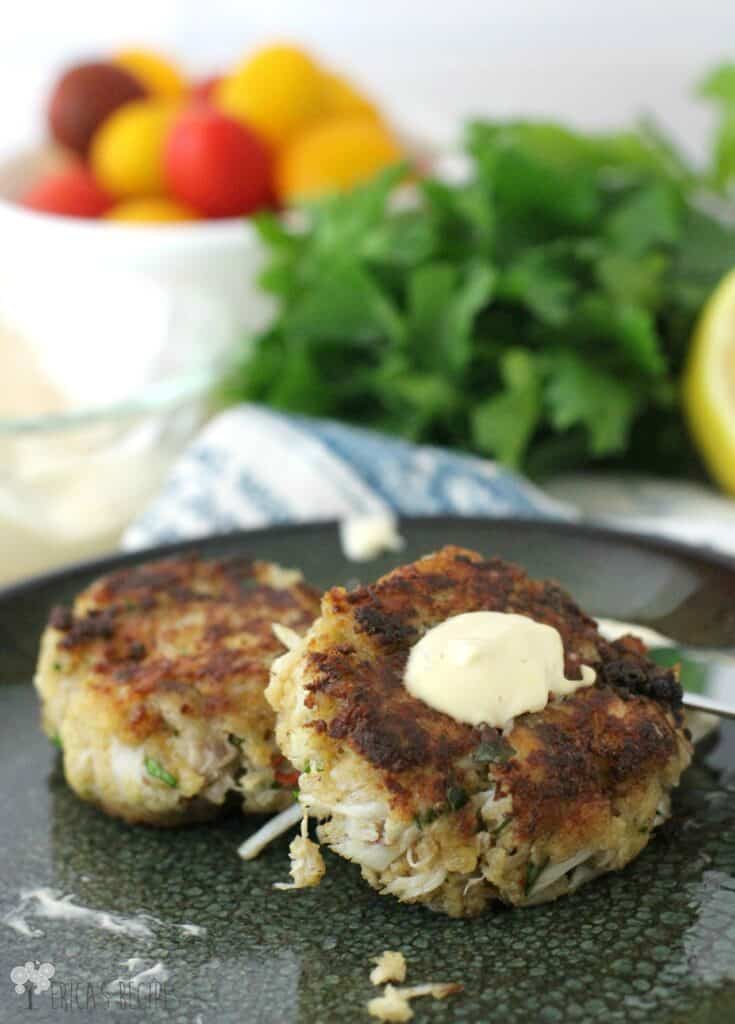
(99, 565)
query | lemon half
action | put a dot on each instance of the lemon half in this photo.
(709, 384)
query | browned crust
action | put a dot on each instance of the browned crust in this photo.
(198, 628)
(577, 755)
(586, 747)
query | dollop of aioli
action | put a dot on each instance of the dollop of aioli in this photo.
(365, 537)
(489, 667)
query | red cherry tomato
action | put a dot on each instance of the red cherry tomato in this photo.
(203, 91)
(216, 164)
(71, 193)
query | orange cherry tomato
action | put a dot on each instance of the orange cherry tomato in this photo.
(152, 210)
(333, 155)
(160, 76)
(277, 90)
(127, 152)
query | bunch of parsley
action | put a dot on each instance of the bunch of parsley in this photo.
(538, 312)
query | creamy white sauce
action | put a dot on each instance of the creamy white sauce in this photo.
(366, 537)
(45, 904)
(488, 667)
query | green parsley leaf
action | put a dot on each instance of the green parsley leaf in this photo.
(499, 829)
(719, 84)
(579, 393)
(504, 425)
(497, 751)
(429, 815)
(538, 311)
(532, 874)
(156, 770)
(456, 798)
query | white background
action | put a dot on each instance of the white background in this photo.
(595, 62)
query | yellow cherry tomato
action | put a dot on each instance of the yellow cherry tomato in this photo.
(151, 210)
(277, 92)
(334, 155)
(341, 97)
(161, 77)
(127, 149)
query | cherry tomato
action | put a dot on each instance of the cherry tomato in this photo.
(277, 90)
(72, 192)
(216, 164)
(341, 97)
(160, 76)
(83, 97)
(334, 155)
(153, 210)
(204, 90)
(127, 152)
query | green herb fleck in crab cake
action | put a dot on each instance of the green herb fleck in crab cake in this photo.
(153, 686)
(453, 815)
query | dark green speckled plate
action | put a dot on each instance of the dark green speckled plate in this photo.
(654, 943)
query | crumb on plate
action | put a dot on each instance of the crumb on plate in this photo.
(389, 966)
(394, 1003)
(307, 863)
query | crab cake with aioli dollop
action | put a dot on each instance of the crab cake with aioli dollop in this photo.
(153, 686)
(456, 813)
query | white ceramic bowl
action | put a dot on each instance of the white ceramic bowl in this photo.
(109, 305)
(132, 323)
(101, 301)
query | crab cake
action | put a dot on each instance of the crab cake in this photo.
(153, 685)
(452, 815)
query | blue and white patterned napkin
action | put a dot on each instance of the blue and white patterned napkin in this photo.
(253, 467)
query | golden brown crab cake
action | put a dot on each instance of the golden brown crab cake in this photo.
(153, 686)
(443, 813)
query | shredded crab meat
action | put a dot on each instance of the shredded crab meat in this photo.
(389, 966)
(410, 887)
(554, 872)
(269, 832)
(307, 863)
(288, 637)
(394, 1003)
(373, 855)
(472, 883)
(422, 853)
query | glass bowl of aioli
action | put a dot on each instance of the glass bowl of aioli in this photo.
(71, 481)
